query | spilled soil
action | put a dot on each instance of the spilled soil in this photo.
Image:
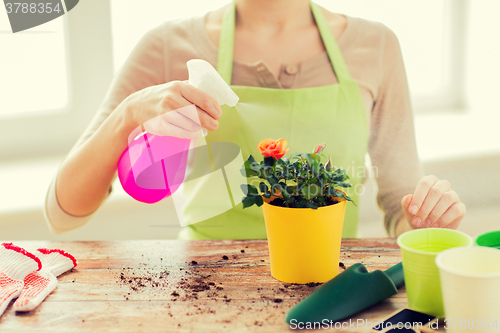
(195, 280)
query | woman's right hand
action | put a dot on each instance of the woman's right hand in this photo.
(172, 109)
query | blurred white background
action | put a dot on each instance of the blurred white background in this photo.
(53, 77)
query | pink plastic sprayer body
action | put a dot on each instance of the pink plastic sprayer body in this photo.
(153, 167)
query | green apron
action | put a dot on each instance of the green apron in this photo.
(305, 117)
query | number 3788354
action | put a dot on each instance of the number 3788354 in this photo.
(32, 8)
(477, 324)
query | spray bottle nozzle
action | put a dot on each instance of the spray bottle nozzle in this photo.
(204, 77)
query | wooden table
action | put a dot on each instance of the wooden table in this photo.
(183, 286)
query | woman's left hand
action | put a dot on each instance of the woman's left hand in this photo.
(434, 204)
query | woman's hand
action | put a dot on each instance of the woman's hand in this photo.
(434, 204)
(174, 109)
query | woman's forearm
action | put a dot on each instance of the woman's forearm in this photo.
(86, 174)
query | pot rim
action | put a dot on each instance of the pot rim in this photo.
(267, 202)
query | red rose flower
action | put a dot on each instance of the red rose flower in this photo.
(276, 149)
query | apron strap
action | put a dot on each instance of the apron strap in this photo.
(336, 58)
(226, 44)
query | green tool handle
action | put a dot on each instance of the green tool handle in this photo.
(395, 273)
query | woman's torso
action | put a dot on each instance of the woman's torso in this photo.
(276, 43)
(360, 41)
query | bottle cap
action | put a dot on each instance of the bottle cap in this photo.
(204, 77)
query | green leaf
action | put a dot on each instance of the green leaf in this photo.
(259, 201)
(248, 170)
(264, 171)
(263, 187)
(315, 167)
(312, 205)
(272, 180)
(284, 190)
(302, 203)
(279, 173)
(276, 188)
(267, 195)
(338, 178)
(249, 201)
(244, 173)
(327, 191)
(282, 161)
(249, 189)
(311, 191)
(320, 200)
(338, 194)
(309, 158)
(349, 199)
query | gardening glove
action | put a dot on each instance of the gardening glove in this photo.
(37, 285)
(15, 264)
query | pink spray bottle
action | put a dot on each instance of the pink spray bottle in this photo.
(143, 171)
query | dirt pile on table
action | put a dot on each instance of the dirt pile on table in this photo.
(195, 282)
(138, 280)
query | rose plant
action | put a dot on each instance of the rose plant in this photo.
(305, 180)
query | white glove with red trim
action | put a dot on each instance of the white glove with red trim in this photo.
(15, 264)
(37, 285)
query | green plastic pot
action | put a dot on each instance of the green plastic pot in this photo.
(419, 249)
(489, 239)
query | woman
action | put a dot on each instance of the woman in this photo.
(341, 78)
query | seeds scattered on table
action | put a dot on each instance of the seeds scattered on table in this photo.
(225, 257)
(194, 262)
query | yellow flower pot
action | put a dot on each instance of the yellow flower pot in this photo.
(304, 243)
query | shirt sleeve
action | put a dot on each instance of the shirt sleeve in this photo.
(143, 68)
(392, 146)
